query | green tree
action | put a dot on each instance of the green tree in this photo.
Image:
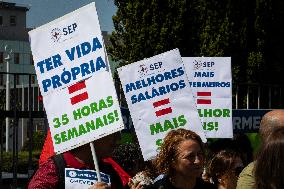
(251, 32)
(146, 28)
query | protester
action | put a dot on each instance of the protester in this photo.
(224, 169)
(181, 159)
(129, 157)
(271, 120)
(48, 176)
(214, 147)
(244, 147)
(219, 145)
(47, 149)
(269, 167)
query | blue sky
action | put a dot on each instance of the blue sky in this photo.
(44, 11)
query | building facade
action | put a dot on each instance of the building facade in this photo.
(14, 41)
(16, 57)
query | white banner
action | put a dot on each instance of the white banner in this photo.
(211, 82)
(159, 99)
(78, 91)
(83, 179)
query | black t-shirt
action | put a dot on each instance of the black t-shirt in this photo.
(165, 183)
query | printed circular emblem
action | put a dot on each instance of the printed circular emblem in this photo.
(72, 174)
(56, 34)
(197, 64)
(143, 69)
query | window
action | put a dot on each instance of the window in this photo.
(33, 79)
(1, 57)
(17, 79)
(16, 58)
(31, 59)
(12, 20)
(1, 20)
(1, 79)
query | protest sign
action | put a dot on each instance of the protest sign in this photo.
(211, 82)
(68, 49)
(83, 179)
(78, 91)
(159, 99)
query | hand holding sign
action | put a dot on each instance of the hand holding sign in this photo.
(100, 185)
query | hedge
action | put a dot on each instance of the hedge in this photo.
(23, 161)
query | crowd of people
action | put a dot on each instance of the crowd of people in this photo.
(183, 162)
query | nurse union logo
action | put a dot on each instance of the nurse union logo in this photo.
(56, 34)
(197, 64)
(143, 70)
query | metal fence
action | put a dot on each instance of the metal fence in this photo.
(26, 111)
(21, 107)
(258, 96)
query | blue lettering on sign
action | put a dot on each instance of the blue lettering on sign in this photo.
(210, 84)
(83, 49)
(49, 63)
(156, 65)
(84, 69)
(203, 74)
(69, 29)
(68, 76)
(208, 64)
(77, 51)
(158, 91)
(154, 79)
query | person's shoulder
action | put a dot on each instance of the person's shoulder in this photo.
(48, 166)
(248, 170)
(204, 185)
(45, 176)
(246, 178)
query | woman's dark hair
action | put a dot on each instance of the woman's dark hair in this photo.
(269, 166)
(221, 164)
(244, 147)
(168, 152)
(129, 157)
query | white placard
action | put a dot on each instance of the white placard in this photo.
(83, 179)
(78, 91)
(210, 79)
(68, 49)
(159, 99)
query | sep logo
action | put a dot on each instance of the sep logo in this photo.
(57, 34)
(156, 65)
(143, 70)
(197, 64)
(69, 29)
(203, 65)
